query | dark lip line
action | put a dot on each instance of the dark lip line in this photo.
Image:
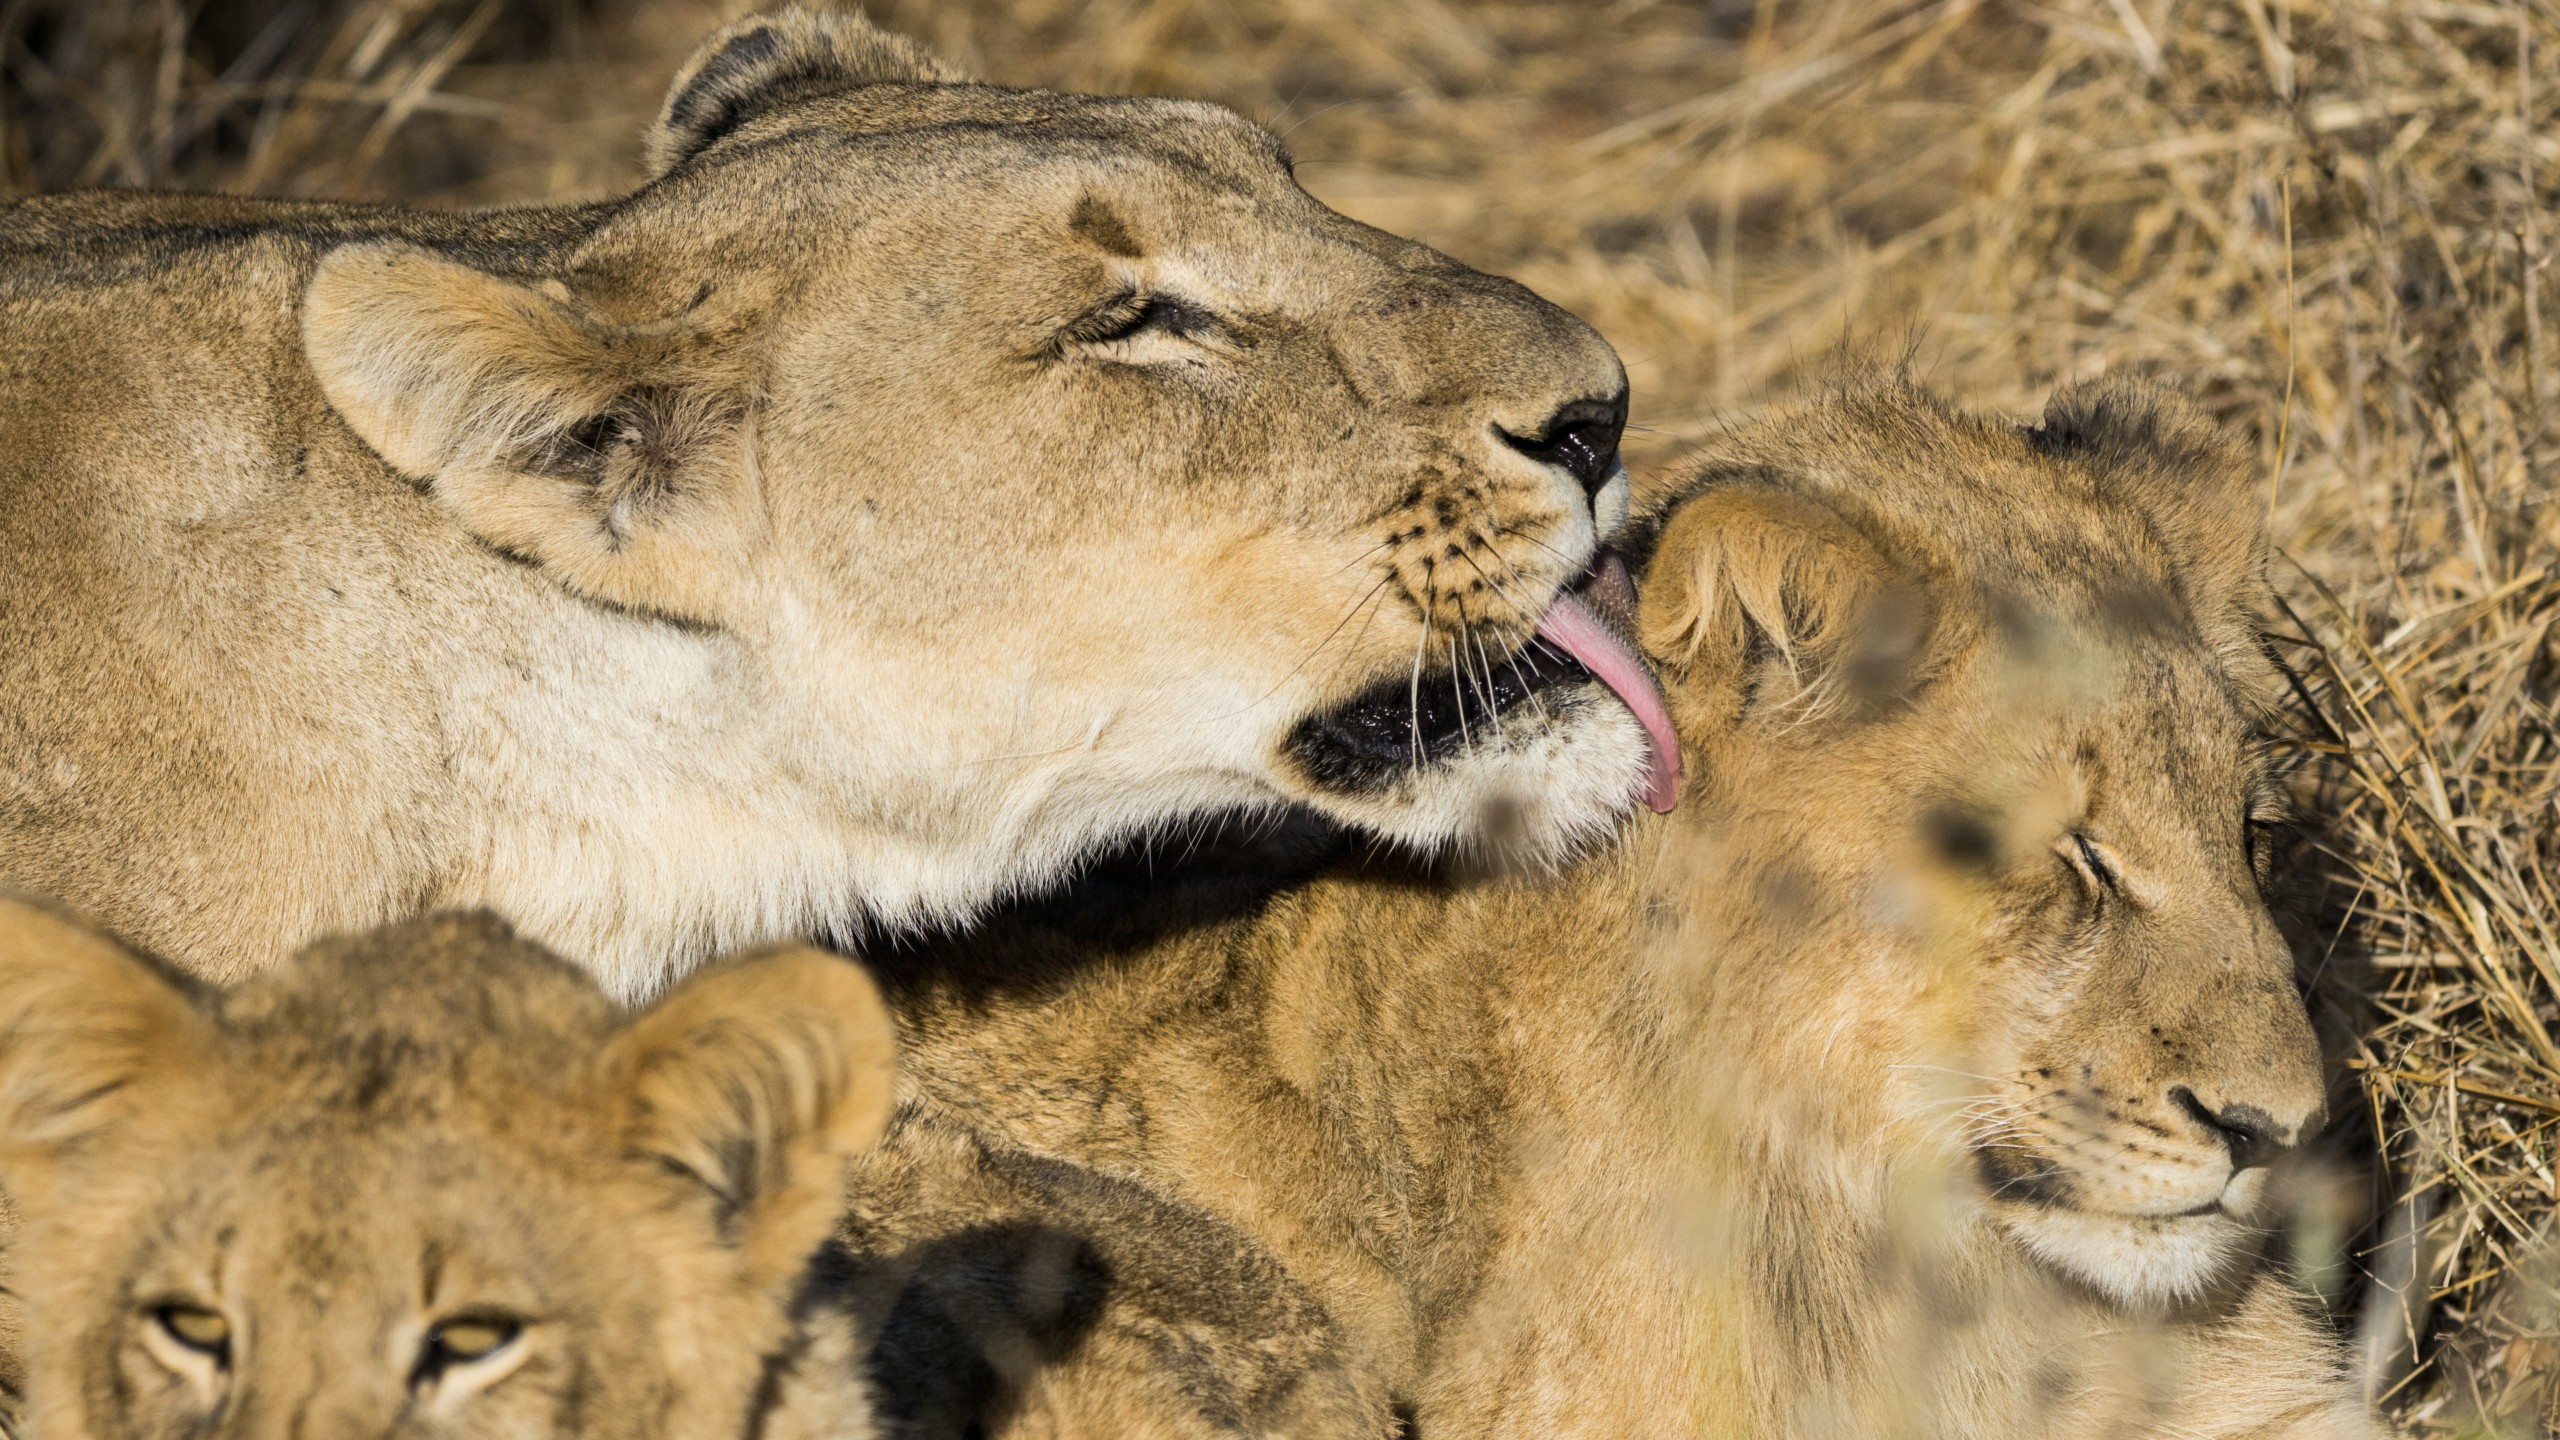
(1370, 741)
(1402, 724)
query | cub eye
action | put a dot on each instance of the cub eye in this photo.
(2090, 861)
(199, 1329)
(464, 1339)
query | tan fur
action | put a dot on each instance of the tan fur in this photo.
(1854, 1099)
(916, 485)
(434, 1125)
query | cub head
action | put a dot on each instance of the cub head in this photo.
(426, 1181)
(1054, 465)
(1975, 713)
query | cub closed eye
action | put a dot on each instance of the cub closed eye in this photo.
(2090, 861)
(198, 1329)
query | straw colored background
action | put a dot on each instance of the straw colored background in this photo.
(2330, 218)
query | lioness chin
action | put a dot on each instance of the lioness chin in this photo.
(913, 486)
(429, 1182)
(1923, 1075)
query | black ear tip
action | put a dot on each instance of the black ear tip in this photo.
(751, 52)
(773, 59)
(2093, 417)
(2118, 416)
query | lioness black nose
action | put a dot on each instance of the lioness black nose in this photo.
(2253, 1136)
(1582, 437)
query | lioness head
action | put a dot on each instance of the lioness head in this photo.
(1981, 703)
(1054, 463)
(422, 1182)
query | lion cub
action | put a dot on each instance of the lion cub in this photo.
(1923, 1075)
(428, 1181)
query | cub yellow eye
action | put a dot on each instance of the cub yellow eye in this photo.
(195, 1328)
(461, 1341)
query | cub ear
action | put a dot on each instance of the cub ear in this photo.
(758, 1079)
(766, 61)
(611, 456)
(2155, 451)
(87, 1027)
(1760, 597)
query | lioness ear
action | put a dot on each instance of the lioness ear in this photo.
(758, 1079)
(1759, 596)
(611, 456)
(767, 61)
(85, 1025)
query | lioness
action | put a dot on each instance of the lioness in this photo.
(429, 1181)
(1922, 1076)
(913, 485)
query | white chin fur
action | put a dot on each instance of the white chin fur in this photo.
(1551, 779)
(2133, 1259)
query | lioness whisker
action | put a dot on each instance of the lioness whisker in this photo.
(1509, 598)
(1328, 639)
(1513, 659)
(1484, 691)
(1457, 680)
(1541, 544)
(1949, 1070)
(1413, 683)
(1362, 634)
(1363, 555)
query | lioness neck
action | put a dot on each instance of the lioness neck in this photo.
(643, 795)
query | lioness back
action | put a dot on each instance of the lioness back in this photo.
(914, 486)
(173, 499)
(429, 1181)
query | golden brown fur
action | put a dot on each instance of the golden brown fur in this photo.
(1859, 1097)
(915, 485)
(430, 1182)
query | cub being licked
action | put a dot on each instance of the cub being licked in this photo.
(1924, 1074)
(913, 486)
(430, 1181)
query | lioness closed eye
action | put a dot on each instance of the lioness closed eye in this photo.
(428, 1182)
(916, 484)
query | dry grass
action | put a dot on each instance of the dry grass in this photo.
(2330, 217)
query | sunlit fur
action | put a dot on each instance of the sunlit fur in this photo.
(433, 1125)
(1840, 1103)
(796, 542)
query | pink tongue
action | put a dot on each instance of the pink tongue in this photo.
(1570, 626)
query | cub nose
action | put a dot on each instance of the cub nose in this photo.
(1582, 437)
(2253, 1136)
